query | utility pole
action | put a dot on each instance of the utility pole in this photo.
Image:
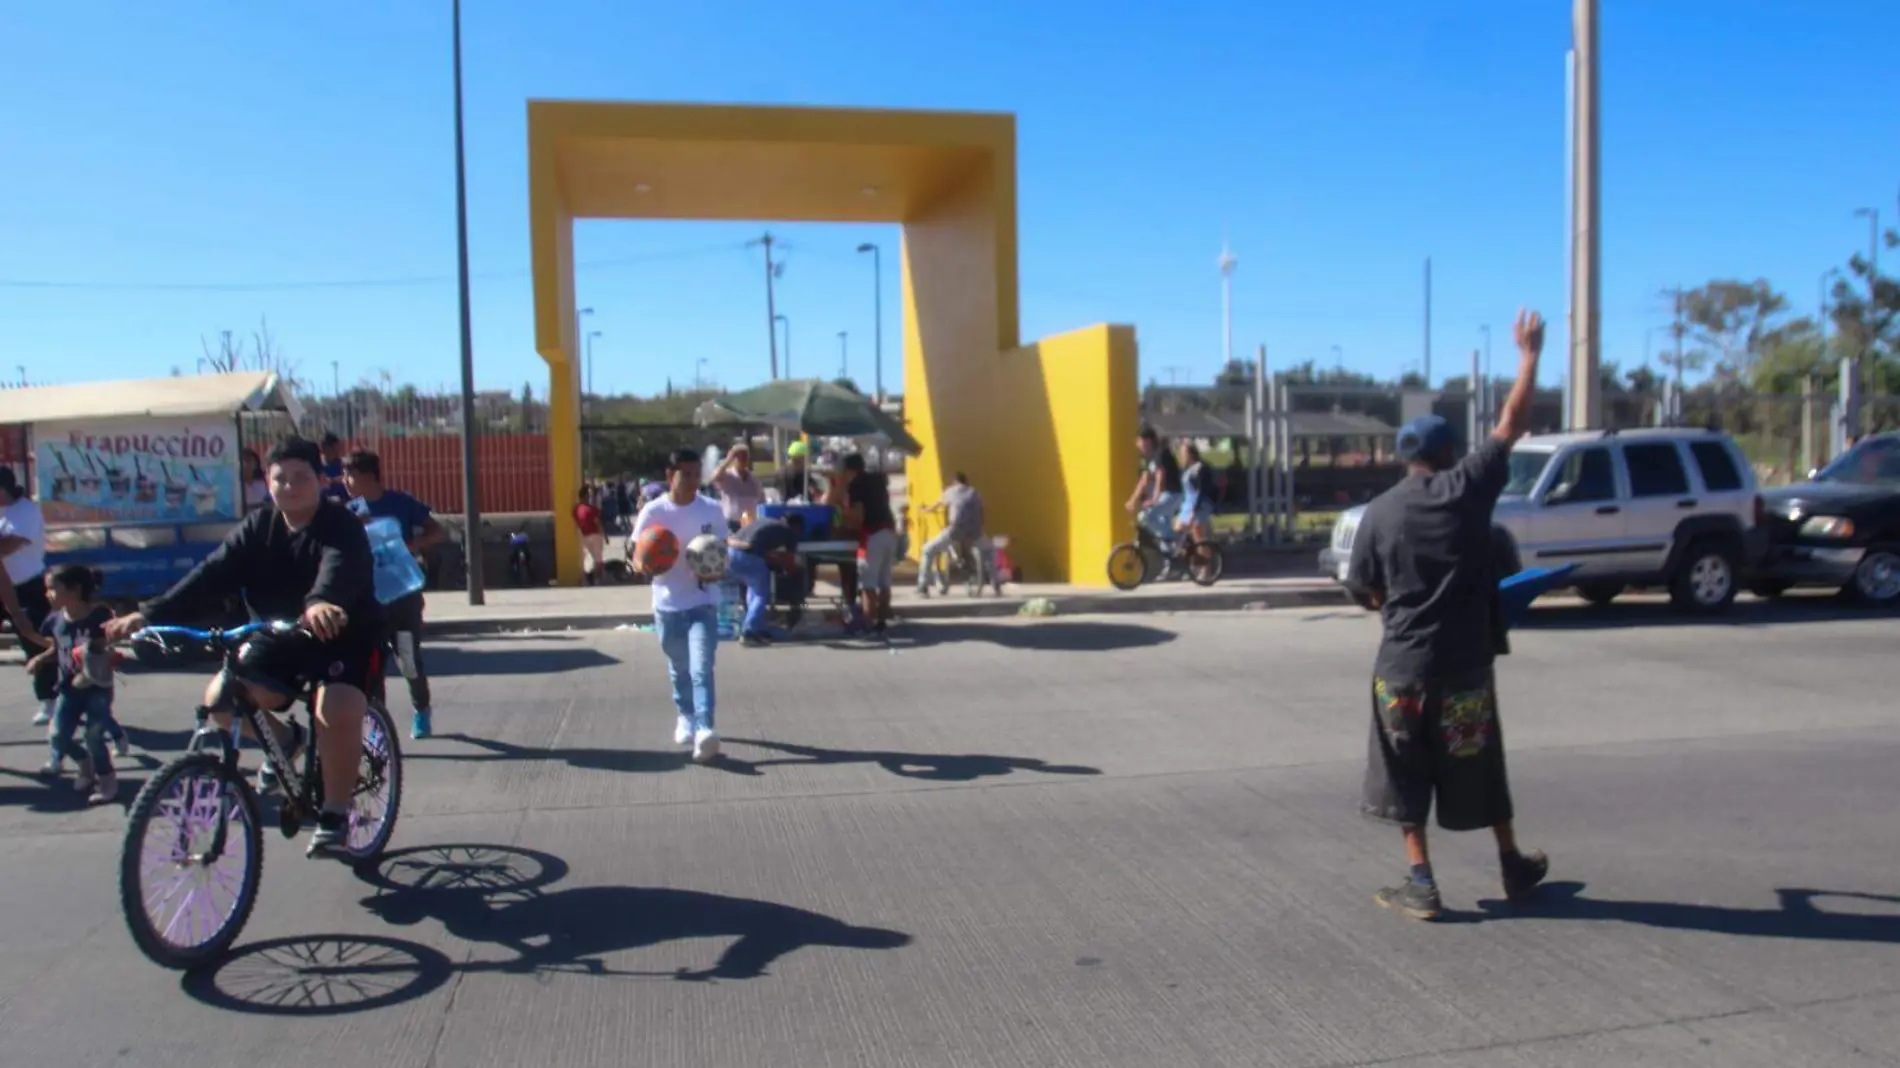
(772, 271)
(1586, 269)
(1675, 416)
(1427, 365)
(1226, 262)
(844, 354)
(471, 508)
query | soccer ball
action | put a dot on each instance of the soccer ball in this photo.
(706, 557)
(656, 550)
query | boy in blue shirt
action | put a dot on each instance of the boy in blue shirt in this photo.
(363, 475)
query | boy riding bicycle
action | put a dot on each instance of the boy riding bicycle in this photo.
(301, 557)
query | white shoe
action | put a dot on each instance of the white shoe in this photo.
(705, 747)
(683, 731)
(42, 718)
(122, 745)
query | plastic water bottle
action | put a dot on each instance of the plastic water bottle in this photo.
(731, 610)
(397, 573)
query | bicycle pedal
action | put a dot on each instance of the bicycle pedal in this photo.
(288, 823)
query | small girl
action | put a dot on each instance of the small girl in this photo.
(84, 662)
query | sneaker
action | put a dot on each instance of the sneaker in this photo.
(105, 791)
(1523, 872)
(682, 731)
(52, 769)
(85, 780)
(705, 747)
(1411, 898)
(330, 837)
(122, 745)
(419, 725)
(755, 640)
(42, 718)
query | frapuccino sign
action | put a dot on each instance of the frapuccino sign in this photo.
(125, 471)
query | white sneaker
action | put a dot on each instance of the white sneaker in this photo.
(683, 731)
(43, 716)
(705, 747)
(122, 745)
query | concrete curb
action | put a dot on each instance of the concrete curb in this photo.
(957, 606)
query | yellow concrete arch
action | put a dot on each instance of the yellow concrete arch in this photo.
(1044, 430)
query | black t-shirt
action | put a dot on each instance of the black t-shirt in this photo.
(1426, 543)
(87, 633)
(872, 492)
(1167, 470)
(280, 571)
(765, 536)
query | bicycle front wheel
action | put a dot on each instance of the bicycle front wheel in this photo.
(191, 862)
(1127, 566)
(378, 797)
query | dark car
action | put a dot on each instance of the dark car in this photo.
(1841, 528)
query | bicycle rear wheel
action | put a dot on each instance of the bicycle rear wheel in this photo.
(1205, 563)
(191, 861)
(378, 797)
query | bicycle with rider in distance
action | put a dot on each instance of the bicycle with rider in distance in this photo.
(193, 855)
(971, 562)
(1146, 559)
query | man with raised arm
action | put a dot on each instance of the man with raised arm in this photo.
(1422, 557)
(302, 558)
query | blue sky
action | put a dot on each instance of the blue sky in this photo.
(175, 166)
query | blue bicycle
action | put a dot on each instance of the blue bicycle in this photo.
(193, 855)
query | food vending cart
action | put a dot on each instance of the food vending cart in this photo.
(140, 479)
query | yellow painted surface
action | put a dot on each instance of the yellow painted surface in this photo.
(1043, 431)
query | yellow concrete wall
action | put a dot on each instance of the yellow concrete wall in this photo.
(551, 252)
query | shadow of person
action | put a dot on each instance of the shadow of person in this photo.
(1064, 636)
(938, 767)
(590, 759)
(1796, 916)
(574, 929)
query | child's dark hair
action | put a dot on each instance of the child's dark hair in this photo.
(300, 449)
(79, 577)
(364, 462)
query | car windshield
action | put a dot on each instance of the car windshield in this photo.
(1876, 460)
(1527, 465)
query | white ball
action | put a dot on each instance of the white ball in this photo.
(706, 556)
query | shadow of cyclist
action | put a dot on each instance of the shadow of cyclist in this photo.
(574, 929)
(937, 767)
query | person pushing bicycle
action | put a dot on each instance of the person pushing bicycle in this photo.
(302, 557)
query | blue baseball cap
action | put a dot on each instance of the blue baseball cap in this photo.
(1427, 435)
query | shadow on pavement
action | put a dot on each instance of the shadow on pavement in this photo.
(444, 661)
(1745, 613)
(938, 767)
(498, 896)
(624, 760)
(1797, 916)
(1067, 636)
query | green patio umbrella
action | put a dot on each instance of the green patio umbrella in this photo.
(809, 406)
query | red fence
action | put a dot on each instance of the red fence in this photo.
(512, 470)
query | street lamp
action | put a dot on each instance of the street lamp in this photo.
(471, 507)
(844, 354)
(1339, 360)
(782, 319)
(699, 376)
(1821, 317)
(592, 334)
(877, 314)
(1872, 215)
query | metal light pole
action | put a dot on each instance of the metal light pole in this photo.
(784, 320)
(592, 334)
(1339, 361)
(844, 354)
(1485, 392)
(1425, 367)
(1586, 270)
(877, 313)
(1872, 215)
(471, 509)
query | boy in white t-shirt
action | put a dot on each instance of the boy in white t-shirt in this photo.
(686, 610)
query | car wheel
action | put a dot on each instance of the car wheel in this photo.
(1705, 579)
(1599, 593)
(1876, 581)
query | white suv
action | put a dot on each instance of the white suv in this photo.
(1665, 507)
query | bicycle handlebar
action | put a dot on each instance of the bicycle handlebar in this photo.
(219, 638)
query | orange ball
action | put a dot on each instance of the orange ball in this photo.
(655, 551)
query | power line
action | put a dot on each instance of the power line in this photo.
(352, 283)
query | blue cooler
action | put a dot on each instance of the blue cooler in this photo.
(1518, 591)
(817, 517)
(397, 574)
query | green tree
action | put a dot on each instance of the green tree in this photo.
(1730, 321)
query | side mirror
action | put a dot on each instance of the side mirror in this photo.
(1813, 473)
(1560, 493)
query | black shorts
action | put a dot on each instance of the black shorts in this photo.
(353, 658)
(1439, 738)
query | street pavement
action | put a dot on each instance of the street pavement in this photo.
(1064, 842)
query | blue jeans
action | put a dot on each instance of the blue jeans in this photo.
(751, 569)
(1158, 518)
(94, 705)
(689, 638)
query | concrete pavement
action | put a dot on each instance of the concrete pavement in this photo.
(1075, 841)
